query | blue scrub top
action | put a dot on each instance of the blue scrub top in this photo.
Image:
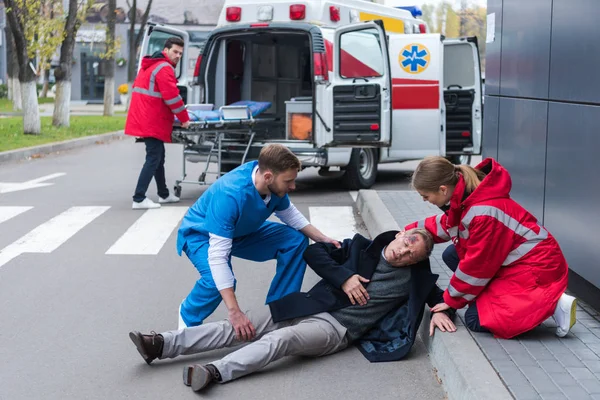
(231, 208)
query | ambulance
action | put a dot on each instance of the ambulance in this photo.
(352, 84)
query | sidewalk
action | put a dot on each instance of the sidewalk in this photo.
(537, 365)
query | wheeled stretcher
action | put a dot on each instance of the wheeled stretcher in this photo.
(212, 132)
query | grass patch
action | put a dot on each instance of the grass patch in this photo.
(6, 105)
(12, 137)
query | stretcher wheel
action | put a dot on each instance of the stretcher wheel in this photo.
(177, 190)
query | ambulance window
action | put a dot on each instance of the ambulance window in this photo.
(157, 43)
(360, 54)
(459, 65)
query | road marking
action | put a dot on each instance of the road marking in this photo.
(7, 212)
(50, 235)
(150, 232)
(354, 194)
(336, 222)
(7, 187)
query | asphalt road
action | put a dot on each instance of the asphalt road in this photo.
(79, 269)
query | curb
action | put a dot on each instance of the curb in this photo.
(35, 151)
(465, 372)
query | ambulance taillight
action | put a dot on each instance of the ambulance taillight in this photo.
(233, 14)
(297, 12)
(320, 67)
(422, 28)
(197, 67)
(334, 13)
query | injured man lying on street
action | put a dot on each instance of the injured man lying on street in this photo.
(372, 295)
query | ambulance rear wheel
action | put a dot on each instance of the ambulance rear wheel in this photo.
(361, 172)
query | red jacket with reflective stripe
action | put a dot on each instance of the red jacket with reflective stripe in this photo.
(154, 100)
(509, 264)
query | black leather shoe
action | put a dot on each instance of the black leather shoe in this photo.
(150, 346)
(200, 376)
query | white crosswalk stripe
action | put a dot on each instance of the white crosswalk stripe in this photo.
(150, 232)
(336, 222)
(9, 212)
(50, 235)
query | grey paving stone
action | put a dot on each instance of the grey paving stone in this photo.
(592, 386)
(581, 373)
(588, 338)
(539, 379)
(552, 366)
(575, 393)
(513, 376)
(563, 379)
(570, 360)
(586, 354)
(524, 359)
(593, 366)
(524, 392)
(556, 347)
(553, 396)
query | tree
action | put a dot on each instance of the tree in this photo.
(27, 29)
(75, 16)
(135, 39)
(50, 32)
(111, 48)
(12, 69)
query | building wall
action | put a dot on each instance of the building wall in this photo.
(542, 112)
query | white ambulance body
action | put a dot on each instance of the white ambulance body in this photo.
(348, 93)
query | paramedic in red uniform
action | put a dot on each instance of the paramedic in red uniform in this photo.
(154, 102)
(507, 267)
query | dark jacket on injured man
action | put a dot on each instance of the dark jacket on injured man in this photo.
(385, 328)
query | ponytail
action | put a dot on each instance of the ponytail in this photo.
(433, 172)
(472, 176)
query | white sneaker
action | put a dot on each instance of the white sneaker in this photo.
(171, 199)
(146, 204)
(565, 314)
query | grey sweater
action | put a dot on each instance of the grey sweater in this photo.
(389, 288)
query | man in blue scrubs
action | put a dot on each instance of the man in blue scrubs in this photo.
(230, 219)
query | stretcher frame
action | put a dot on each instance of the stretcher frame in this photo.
(207, 138)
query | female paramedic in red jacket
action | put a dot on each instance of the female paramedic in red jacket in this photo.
(507, 267)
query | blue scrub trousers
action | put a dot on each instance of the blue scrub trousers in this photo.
(271, 241)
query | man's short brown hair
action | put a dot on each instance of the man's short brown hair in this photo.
(174, 40)
(277, 158)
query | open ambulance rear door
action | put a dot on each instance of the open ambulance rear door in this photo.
(355, 107)
(463, 97)
(418, 128)
(154, 40)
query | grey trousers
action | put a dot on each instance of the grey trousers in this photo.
(316, 335)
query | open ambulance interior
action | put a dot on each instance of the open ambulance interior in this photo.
(263, 65)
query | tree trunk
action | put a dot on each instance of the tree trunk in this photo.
(62, 103)
(63, 71)
(109, 77)
(31, 111)
(12, 66)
